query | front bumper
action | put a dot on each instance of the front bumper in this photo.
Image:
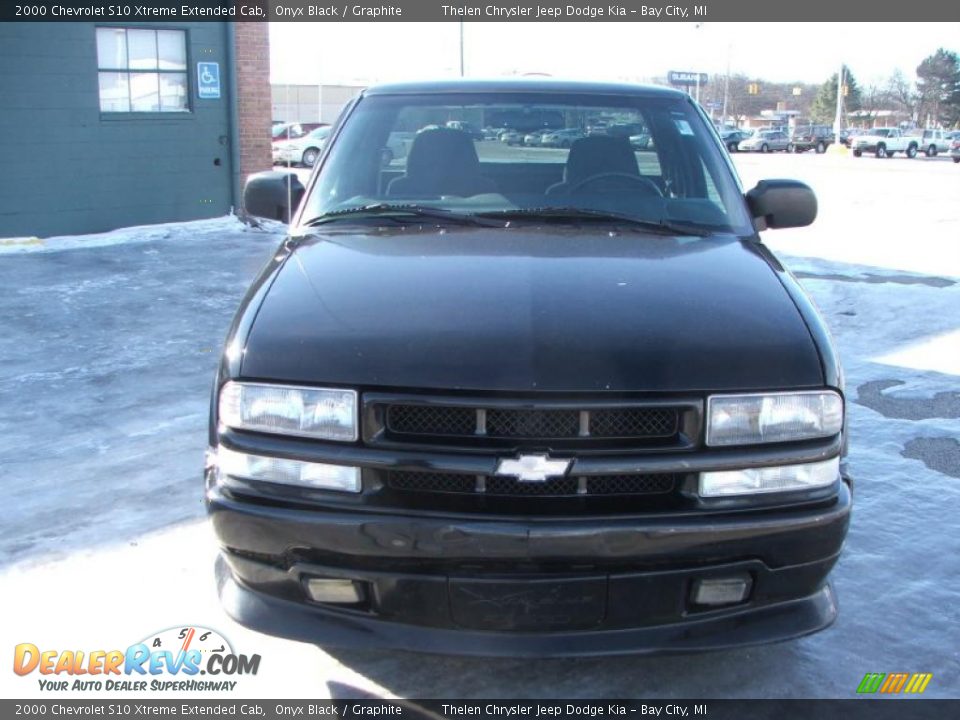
(528, 587)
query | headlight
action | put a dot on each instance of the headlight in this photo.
(773, 417)
(287, 410)
(782, 478)
(320, 476)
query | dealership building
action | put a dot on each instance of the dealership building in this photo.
(106, 125)
(311, 103)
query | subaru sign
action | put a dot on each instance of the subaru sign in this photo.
(675, 77)
(208, 80)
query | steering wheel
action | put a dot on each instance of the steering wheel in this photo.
(625, 180)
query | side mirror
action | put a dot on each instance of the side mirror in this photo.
(781, 204)
(274, 195)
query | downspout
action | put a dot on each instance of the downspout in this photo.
(236, 198)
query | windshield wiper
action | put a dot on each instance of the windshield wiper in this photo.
(665, 227)
(401, 213)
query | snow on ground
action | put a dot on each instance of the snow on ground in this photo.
(108, 354)
(195, 230)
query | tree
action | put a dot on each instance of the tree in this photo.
(901, 94)
(742, 104)
(873, 99)
(824, 108)
(938, 85)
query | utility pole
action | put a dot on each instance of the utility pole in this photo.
(461, 49)
(839, 119)
(726, 87)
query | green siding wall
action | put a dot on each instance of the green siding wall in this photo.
(67, 169)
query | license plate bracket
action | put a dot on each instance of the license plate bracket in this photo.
(528, 605)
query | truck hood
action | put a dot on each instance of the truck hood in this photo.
(582, 310)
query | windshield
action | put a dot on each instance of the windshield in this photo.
(287, 131)
(521, 154)
(320, 132)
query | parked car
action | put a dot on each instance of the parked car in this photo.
(513, 406)
(304, 150)
(564, 138)
(765, 141)
(733, 137)
(466, 127)
(512, 137)
(850, 135)
(282, 133)
(811, 137)
(885, 143)
(291, 130)
(955, 148)
(933, 142)
(532, 139)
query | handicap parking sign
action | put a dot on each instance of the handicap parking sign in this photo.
(208, 79)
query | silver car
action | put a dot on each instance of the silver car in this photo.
(937, 141)
(765, 141)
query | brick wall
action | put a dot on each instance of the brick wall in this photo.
(253, 96)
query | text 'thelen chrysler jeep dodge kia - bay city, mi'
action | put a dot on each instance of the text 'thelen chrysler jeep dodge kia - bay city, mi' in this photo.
(497, 399)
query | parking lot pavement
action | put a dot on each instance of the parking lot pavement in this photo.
(108, 357)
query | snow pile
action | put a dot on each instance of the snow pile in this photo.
(196, 229)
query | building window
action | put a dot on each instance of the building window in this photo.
(142, 70)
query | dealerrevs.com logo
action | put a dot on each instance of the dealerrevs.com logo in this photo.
(173, 659)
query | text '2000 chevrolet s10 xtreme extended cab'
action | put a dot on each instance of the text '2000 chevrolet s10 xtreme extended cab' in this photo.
(509, 400)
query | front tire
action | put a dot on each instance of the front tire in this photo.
(957, 159)
(821, 148)
(764, 148)
(912, 151)
(310, 156)
(857, 153)
(732, 147)
(791, 148)
(932, 151)
(882, 151)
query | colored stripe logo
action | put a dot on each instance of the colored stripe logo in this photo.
(894, 683)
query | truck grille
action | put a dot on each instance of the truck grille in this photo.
(412, 422)
(591, 485)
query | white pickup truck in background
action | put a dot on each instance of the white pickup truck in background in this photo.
(885, 142)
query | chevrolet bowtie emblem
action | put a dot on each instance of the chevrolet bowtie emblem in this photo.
(532, 468)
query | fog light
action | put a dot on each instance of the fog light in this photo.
(721, 591)
(334, 590)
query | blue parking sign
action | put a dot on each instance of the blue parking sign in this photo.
(208, 80)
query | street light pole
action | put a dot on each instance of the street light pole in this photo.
(461, 49)
(726, 86)
(839, 118)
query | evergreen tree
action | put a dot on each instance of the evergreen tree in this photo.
(938, 85)
(824, 108)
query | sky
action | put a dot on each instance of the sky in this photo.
(366, 53)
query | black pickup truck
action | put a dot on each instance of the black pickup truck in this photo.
(536, 401)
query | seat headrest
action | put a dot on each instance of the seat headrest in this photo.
(598, 154)
(441, 151)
